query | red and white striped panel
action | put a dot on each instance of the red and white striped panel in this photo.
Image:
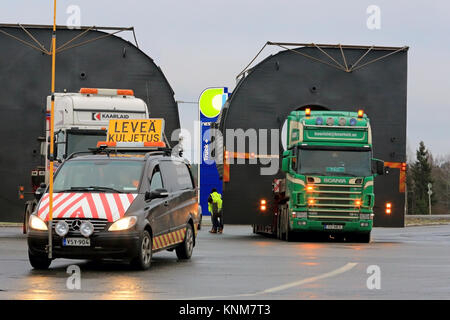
(110, 206)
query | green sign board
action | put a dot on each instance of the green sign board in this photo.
(341, 135)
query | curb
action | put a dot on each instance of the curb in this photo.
(10, 224)
(424, 220)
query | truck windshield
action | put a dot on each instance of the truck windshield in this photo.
(83, 141)
(335, 163)
(99, 175)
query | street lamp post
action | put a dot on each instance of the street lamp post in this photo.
(429, 197)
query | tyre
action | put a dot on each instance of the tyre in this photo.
(289, 235)
(184, 250)
(360, 237)
(144, 258)
(28, 211)
(39, 262)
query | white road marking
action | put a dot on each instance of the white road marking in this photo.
(286, 286)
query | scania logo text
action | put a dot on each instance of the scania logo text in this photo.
(335, 180)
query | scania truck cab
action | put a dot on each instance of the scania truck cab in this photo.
(81, 120)
(329, 184)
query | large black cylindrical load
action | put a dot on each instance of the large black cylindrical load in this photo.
(326, 77)
(92, 59)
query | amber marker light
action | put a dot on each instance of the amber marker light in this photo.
(308, 112)
(360, 113)
(263, 205)
(388, 208)
(309, 188)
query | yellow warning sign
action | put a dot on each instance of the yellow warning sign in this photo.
(142, 130)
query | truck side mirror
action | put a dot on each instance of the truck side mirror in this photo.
(285, 161)
(378, 167)
(55, 151)
(285, 164)
(40, 191)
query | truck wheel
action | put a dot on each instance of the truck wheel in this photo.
(39, 262)
(289, 235)
(184, 250)
(360, 237)
(144, 258)
(364, 237)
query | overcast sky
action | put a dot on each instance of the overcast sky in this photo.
(200, 44)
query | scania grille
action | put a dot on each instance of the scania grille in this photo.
(99, 224)
(334, 201)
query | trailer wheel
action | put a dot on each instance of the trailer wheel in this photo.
(278, 225)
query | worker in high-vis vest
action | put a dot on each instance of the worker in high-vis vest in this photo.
(215, 208)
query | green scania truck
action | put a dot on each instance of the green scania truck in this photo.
(328, 187)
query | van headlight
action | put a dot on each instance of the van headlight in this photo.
(37, 223)
(123, 224)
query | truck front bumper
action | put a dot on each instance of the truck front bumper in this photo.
(104, 245)
(304, 224)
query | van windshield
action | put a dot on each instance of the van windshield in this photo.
(99, 175)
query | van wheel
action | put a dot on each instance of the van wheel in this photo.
(144, 258)
(28, 211)
(184, 250)
(39, 262)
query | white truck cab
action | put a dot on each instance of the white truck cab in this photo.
(81, 119)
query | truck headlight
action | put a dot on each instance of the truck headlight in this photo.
(364, 216)
(87, 228)
(61, 228)
(123, 224)
(301, 214)
(37, 223)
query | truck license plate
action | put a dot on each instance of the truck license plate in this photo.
(334, 226)
(76, 242)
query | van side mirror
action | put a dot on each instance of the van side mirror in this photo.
(378, 167)
(158, 193)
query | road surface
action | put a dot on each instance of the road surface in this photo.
(413, 263)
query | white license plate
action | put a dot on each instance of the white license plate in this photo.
(76, 242)
(334, 226)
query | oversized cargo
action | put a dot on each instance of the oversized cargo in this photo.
(319, 77)
(88, 57)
